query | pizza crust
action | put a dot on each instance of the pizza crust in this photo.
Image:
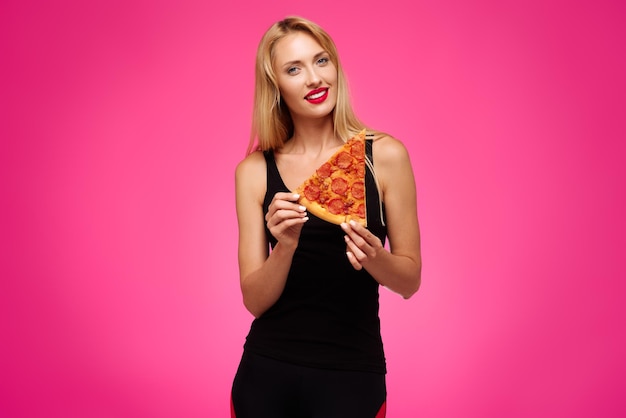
(321, 212)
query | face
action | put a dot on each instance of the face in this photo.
(307, 78)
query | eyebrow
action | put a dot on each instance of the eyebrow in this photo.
(315, 57)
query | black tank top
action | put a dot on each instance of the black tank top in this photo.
(327, 315)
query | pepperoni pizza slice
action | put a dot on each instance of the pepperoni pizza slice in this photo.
(336, 191)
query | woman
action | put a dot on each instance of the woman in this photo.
(314, 348)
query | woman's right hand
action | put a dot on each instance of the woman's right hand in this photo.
(285, 218)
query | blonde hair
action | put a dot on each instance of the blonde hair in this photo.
(272, 125)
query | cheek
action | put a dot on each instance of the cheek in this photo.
(286, 97)
(288, 91)
(331, 72)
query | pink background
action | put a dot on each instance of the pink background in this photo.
(121, 125)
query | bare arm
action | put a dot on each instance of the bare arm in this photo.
(263, 274)
(400, 268)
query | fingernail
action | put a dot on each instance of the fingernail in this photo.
(302, 208)
(296, 196)
(352, 222)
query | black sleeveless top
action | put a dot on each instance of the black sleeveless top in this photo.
(327, 315)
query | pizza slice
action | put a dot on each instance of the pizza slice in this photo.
(336, 191)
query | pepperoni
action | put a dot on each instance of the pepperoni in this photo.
(357, 151)
(343, 160)
(336, 207)
(324, 171)
(339, 186)
(360, 211)
(360, 170)
(312, 192)
(358, 190)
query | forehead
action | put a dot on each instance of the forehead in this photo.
(297, 46)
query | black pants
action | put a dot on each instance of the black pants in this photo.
(267, 388)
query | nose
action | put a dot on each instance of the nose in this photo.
(313, 79)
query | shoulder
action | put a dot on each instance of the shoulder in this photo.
(251, 166)
(388, 150)
(250, 177)
(392, 165)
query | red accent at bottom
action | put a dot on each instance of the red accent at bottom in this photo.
(232, 408)
(382, 412)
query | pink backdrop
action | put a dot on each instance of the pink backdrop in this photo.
(121, 126)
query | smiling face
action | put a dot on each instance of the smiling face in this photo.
(306, 76)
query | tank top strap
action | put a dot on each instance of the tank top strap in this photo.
(375, 206)
(369, 138)
(274, 180)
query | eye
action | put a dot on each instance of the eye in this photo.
(323, 61)
(292, 70)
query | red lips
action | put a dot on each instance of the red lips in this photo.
(317, 96)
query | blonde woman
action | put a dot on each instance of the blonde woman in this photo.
(314, 348)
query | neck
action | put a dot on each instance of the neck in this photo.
(313, 136)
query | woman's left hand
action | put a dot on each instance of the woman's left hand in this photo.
(362, 245)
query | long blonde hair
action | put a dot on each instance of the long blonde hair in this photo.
(272, 125)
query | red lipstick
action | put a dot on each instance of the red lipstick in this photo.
(317, 96)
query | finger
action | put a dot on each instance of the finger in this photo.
(283, 226)
(288, 196)
(356, 251)
(278, 204)
(363, 238)
(370, 238)
(299, 212)
(352, 259)
(281, 197)
(355, 238)
(287, 228)
(285, 209)
(283, 215)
